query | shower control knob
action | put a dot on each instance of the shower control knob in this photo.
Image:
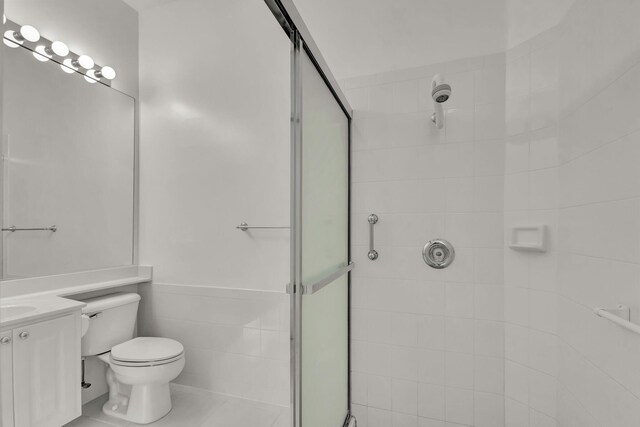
(24, 335)
(438, 253)
(5, 340)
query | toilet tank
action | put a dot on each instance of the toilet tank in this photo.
(112, 320)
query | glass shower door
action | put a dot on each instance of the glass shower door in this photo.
(321, 255)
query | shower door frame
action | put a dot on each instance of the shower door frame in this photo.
(301, 41)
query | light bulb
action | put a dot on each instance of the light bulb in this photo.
(30, 33)
(90, 80)
(10, 40)
(57, 48)
(92, 74)
(66, 69)
(68, 63)
(107, 73)
(86, 62)
(40, 54)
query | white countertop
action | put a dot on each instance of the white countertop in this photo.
(44, 297)
(39, 308)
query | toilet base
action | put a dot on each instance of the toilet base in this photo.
(145, 404)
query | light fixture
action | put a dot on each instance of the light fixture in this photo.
(67, 67)
(40, 54)
(10, 40)
(68, 63)
(57, 48)
(92, 74)
(106, 72)
(84, 61)
(27, 32)
(57, 51)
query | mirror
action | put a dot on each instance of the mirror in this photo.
(68, 162)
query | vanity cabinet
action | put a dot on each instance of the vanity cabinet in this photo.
(40, 370)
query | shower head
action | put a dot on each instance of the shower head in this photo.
(440, 93)
(440, 90)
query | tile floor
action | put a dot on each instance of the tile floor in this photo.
(193, 407)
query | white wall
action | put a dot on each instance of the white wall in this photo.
(531, 198)
(572, 99)
(215, 103)
(427, 345)
(214, 144)
(236, 342)
(599, 218)
(527, 19)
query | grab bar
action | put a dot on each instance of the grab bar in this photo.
(621, 316)
(244, 226)
(13, 229)
(372, 254)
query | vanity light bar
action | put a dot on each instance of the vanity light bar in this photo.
(44, 50)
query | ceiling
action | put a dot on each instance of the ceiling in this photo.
(362, 37)
(359, 37)
(140, 5)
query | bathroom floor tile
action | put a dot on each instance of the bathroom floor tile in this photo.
(236, 413)
(86, 422)
(194, 407)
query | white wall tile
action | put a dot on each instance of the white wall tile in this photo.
(404, 396)
(459, 406)
(431, 401)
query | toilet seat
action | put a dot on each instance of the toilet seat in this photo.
(146, 351)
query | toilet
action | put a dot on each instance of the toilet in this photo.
(138, 369)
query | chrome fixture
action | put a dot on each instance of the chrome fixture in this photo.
(244, 226)
(620, 315)
(13, 229)
(5, 340)
(373, 254)
(440, 93)
(315, 287)
(438, 253)
(45, 50)
(24, 335)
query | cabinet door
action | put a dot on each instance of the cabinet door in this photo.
(6, 379)
(46, 372)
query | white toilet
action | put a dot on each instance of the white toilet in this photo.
(139, 369)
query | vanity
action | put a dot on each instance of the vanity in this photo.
(40, 361)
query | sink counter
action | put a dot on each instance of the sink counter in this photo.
(30, 309)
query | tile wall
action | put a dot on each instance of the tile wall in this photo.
(599, 216)
(236, 341)
(428, 345)
(531, 198)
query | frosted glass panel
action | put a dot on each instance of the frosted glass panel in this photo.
(325, 133)
(325, 356)
(325, 183)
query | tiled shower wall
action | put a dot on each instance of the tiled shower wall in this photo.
(572, 149)
(599, 216)
(427, 345)
(531, 198)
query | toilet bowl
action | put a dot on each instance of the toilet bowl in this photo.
(139, 369)
(138, 375)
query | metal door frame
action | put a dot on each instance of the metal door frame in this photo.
(301, 41)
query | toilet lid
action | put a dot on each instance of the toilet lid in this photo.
(146, 349)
